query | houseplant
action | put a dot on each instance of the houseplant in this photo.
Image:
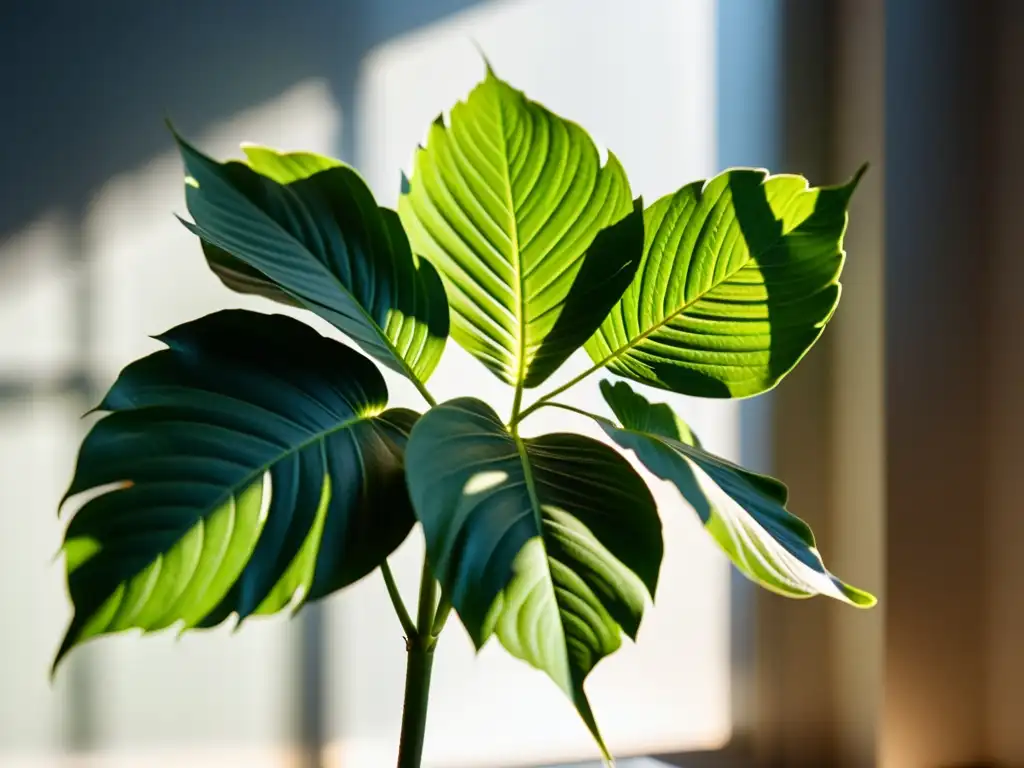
(254, 465)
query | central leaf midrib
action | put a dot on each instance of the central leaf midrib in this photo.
(531, 490)
(517, 267)
(233, 489)
(644, 335)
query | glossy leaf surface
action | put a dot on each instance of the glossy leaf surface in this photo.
(744, 512)
(507, 200)
(307, 228)
(249, 466)
(552, 543)
(739, 276)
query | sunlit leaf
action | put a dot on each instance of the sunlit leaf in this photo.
(744, 512)
(739, 276)
(507, 200)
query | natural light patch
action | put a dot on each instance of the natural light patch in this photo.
(151, 268)
(38, 285)
(483, 482)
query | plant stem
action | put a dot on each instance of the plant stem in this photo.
(420, 660)
(428, 602)
(414, 715)
(517, 403)
(574, 409)
(422, 389)
(420, 640)
(396, 600)
(444, 607)
(518, 415)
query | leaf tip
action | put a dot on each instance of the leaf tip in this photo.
(851, 186)
(190, 226)
(65, 647)
(183, 146)
(858, 598)
(587, 714)
(170, 127)
(487, 63)
(859, 174)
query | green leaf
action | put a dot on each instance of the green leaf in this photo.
(247, 467)
(553, 543)
(306, 227)
(507, 201)
(240, 277)
(744, 512)
(284, 168)
(738, 278)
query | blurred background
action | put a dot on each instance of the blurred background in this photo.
(900, 435)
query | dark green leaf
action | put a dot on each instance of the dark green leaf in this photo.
(307, 227)
(240, 277)
(507, 201)
(738, 278)
(248, 467)
(743, 511)
(553, 543)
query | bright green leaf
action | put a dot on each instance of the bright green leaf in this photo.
(507, 201)
(306, 227)
(743, 511)
(553, 543)
(738, 278)
(247, 467)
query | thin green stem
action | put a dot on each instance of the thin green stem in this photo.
(444, 607)
(396, 600)
(428, 600)
(422, 389)
(518, 416)
(573, 409)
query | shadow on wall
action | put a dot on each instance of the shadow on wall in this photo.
(86, 84)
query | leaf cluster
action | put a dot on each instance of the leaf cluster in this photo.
(253, 465)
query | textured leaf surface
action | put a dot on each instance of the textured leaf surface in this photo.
(305, 227)
(738, 278)
(552, 543)
(240, 277)
(284, 168)
(506, 201)
(247, 467)
(744, 512)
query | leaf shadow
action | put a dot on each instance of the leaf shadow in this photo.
(792, 297)
(609, 266)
